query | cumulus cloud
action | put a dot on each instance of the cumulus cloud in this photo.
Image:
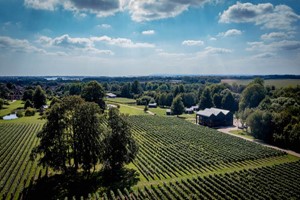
(122, 42)
(67, 42)
(284, 45)
(265, 15)
(230, 33)
(193, 42)
(98, 7)
(16, 45)
(215, 51)
(158, 9)
(148, 32)
(276, 36)
(104, 26)
(264, 55)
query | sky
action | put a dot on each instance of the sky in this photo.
(149, 37)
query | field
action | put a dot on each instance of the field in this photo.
(10, 108)
(176, 160)
(278, 83)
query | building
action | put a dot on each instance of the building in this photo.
(152, 105)
(111, 95)
(189, 110)
(214, 117)
(168, 112)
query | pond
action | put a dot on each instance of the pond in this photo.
(9, 117)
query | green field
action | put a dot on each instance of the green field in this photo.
(176, 160)
(121, 100)
(278, 83)
(11, 107)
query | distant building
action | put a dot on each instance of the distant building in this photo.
(189, 110)
(111, 95)
(168, 112)
(195, 108)
(152, 105)
(109, 106)
(214, 117)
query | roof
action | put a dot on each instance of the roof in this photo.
(152, 104)
(168, 110)
(111, 95)
(212, 111)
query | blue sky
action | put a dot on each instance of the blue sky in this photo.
(144, 37)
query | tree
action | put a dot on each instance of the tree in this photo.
(177, 107)
(71, 136)
(169, 99)
(28, 95)
(55, 100)
(261, 125)
(125, 91)
(1, 103)
(39, 97)
(217, 99)
(162, 100)
(75, 89)
(28, 104)
(120, 147)
(188, 99)
(205, 100)
(228, 102)
(94, 92)
(136, 88)
(252, 96)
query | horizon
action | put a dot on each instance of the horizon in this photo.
(130, 38)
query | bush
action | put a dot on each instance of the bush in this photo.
(20, 113)
(30, 112)
(28, 104)
(1, 103)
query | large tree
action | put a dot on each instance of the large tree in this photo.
(120, 147)
(39, 97)
(205, 99)
(228, 102)
(136, 88)
(71, 136)
(28, 95)
(177, 107)
(252, 96)
(94, 92)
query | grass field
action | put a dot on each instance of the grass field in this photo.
(242, 133)
(121, 100)
(10, 108)
(176, 160)
(278, 83)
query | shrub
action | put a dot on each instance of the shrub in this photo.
(28, 104)
(30, 111)
(1, 103)
(20, 113)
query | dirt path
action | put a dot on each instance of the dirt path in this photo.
(227, 129)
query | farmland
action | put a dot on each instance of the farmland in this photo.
(177, 160)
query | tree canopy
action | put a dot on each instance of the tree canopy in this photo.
(39, 97)
(94, 92)
(177, 107)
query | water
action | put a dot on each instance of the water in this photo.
(9, 117)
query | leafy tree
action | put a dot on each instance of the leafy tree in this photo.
(94, 92)
(163, 88)
(28, 104)
(205, 100)
(1, 103)
(252, 96)
(261, 125)
(55, 100)
(4, 91)
(228, 102)
(28, 95)
(120, 147)
(75, 89)
(39, 97)
(136, 88)
(177, 107)
(169, 99)
(188, 99)
(162, 100)
(71, 137)
(125, 91)
(217, 99)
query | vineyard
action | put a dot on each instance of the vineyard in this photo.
(176, 160)
(171, 147)
(16, 170)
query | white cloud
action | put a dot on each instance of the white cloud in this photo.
(230, 32)
(265, 15)
(215, 51)
(99, 7)
(73, 44)
(284, 45)
(16, 45)
(193, 42)
(157, 9)
(122, 42)
(276, 36)
(212, 38)
(264, 55)
(148, 32)
(104, 26)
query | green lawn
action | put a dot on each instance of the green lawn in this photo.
(242, 133)
(276, 82)
(121, 100)
(11, 107)
(131, 110)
